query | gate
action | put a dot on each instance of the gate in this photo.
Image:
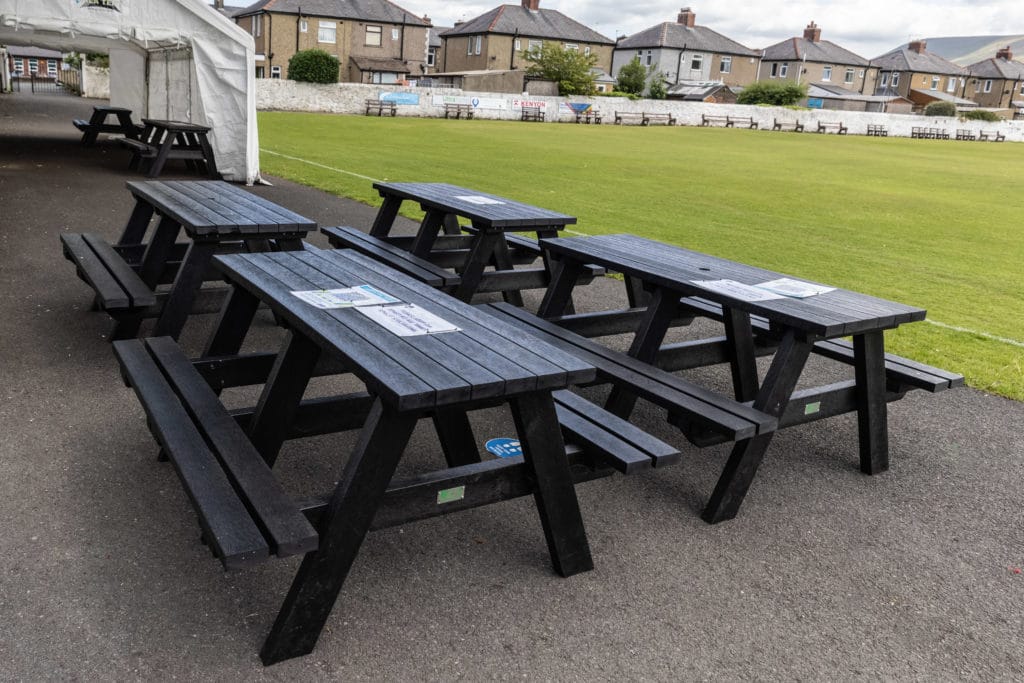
(66, 83)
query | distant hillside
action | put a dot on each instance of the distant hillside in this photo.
(966, 50)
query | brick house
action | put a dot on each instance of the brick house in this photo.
(687, 53)
(920, 76)
(495, 40)
(375, 41)
(997, 82)
(809, 59)
(33, 61)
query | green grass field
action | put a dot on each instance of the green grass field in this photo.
(931, 223)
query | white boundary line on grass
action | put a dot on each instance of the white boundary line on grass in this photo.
(359, 175)
(985, 335)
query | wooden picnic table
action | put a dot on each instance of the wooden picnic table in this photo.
(162, 140)
(441, 375)
(97, 124)
(496, 227)
(216, 217)
(666, 283)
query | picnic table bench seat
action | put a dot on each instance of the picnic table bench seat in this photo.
(402, 260)
(701, 409)
(902, 374)
(244, 513)
(118, 287)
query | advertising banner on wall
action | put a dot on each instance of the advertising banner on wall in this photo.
(475, 102)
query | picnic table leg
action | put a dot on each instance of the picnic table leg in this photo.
(663, 308)
(746, 455)
(138, 222)
(282, 394)
(385, 217)
(555, 494)
(423, 243)
(129, 129)
(232, 324)
(157, 165)
(480, 253)
(502, 260)
(872, 413)
(636, 295)
(153, 262)
(95, 121)
(558, 296)
(208, 156)
(740, 338)
(342, 528)
(456, 436)
(187, 282)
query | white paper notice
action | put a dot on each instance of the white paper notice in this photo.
(794, 288)
(477, 199)
(737, 290)
(407, 320)
(363, 295)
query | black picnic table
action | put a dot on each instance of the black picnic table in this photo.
(216, 216)
(438, 375)
(97, 124)
(493, 220)
(666, 282)
(162, 140)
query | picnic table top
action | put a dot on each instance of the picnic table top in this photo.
(484, 359)
(177, 126)
(213, 208)
(487, 211)
(834, 313)
(111, 110)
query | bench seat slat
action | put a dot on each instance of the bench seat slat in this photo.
(394, 256)
(140, 294)
(91, 269)
(227, 524)
(287, 529)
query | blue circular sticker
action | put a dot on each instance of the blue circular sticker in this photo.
(504, 447)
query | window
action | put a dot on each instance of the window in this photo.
(849, 76)
(935, 82)
(373, 36)
(303, 26)
(33, 65)
(534, 45)
(784, 69)
(394, 34)
(885, 79)
(477, 44)
(726, 65)
(275, 72)
(327, 32)
(519, 45)
(1022, 88)
(572, 46)
(261, 72)
(586, 49)
(19, 67)
(861, 74)
(826, 73)
(431, 56)
(951, 85)
(895, 80)
(51, 68)
(988, 83)
(257, 25)
(775, 70)
(697, 63)
(649, 58)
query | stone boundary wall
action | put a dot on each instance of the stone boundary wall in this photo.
(95, 82)
(350, 98)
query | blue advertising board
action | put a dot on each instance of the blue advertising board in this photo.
(815, 102)
(400, 97)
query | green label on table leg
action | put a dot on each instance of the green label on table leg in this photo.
(812, 408)
(451, 495)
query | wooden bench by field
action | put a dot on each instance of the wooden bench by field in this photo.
(745, 121)
(794, 126)
(965, 134)
(457, 111)
(836, 127)
(985, 136)
(531, 114)
(706, 120)
(623, 117)
(877, 130)
(381, 107)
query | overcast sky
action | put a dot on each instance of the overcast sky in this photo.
(868, 28)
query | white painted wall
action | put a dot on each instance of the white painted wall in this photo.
(349, 98)
(95, 81)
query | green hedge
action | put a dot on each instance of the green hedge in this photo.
(780, 94)
(940, 109)
(313, 66)
(980, 115)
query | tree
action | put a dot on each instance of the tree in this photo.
(569, 68)
(940, 109)
(313, 66)
(657, 90)
(632, 77)
(779, 94)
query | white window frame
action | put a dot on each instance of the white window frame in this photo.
(535, 45)
(726, 66)
(394, 33)
(697, 62)
(586, 50)
(478, 44)
(826, 73)
(377, 32)
(51, 68)
(518, 46)
(572, 46)
(257, 25)
(19, 67)
(327, 31)
(951, 84)
(895, 79)
(275, 72)
(885, 78)
(649, 58)
(851, 74)
(935, 82)
(303, 25)
(988, 85)
(33, 65)
(431, 56)
(784, 70)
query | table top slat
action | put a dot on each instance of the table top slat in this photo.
(248, 203)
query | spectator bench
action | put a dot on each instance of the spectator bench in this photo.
(836, 127)
(985, 136)
(877, 130)
(644, 118)
(381, 107)
(922, 133)
(531, 114)
(794, 126)
(458, 111)
(244, 513)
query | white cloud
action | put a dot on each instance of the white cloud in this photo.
(869, 27)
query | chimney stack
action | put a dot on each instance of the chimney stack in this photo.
(686, 17)
(218, 4)
(917, 46)
(532, 5)
(1004, 53)
(812, 33)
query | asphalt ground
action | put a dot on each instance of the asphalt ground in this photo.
(826, 574)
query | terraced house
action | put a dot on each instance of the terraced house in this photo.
(687, 53)
(920, 76)
(496, 39)
(375, 41)
(809, 59)
(997, 82)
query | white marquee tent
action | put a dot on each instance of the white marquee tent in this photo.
(169, 59)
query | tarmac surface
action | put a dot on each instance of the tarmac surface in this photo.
(825, 574)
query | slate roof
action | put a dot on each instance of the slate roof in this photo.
(820, 51)
(829, 91)
(395, 66)
(945, 97)
(544, 23)
(679, 36)
(1009, 70)
(905, 59)
(18, 51)
(695, 91)
(372, 10)
(434, 35)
